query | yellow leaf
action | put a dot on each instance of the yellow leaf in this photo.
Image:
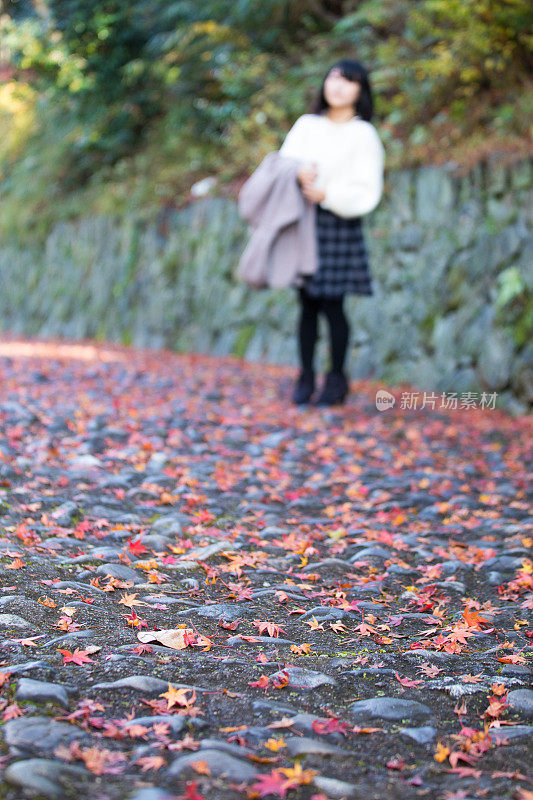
(442, 752)
(129, 600)
(297, 775)
(275, 744)
(178, 697)
(301, 649)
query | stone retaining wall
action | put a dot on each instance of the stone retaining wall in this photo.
(452, 259)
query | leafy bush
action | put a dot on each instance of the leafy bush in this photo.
(115, 105)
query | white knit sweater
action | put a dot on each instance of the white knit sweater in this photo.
(349, 157)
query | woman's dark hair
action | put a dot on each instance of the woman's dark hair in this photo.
(353, 71)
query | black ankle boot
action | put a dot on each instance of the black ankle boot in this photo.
(305, 386)
(334, 390)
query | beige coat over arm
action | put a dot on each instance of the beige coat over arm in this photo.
(282, 247)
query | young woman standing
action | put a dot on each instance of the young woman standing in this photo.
(342, 172)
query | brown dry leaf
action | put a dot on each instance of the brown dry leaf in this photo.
(460, 709)
(175, 638)
(285, 722)
(472, 678)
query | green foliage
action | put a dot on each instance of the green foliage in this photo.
(511, 284)
(118, 106)
(514, 305)
(243, 339)
(463, 46)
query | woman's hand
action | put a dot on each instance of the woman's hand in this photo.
(306, 176)
(313, 194)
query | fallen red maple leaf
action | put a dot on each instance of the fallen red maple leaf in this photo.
(135, 546)
(262, 682)
(272, 783)
(430, 669)
(4, 678)
(77, 657)
(12, 711)
(465, 772)
(229, 626)
(142, 648)
(135, 621)
(191, 792)
(407, 681)
(331, 725)
(280, 680)
(457, 755)
(395, 763)
(269, 627)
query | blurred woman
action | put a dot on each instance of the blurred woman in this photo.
(342, 172)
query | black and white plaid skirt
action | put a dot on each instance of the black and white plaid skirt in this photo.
(343, 266)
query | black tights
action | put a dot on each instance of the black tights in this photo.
(339, 329)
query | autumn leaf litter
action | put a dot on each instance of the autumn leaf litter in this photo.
(245, 599)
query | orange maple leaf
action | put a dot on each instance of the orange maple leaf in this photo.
(473, 619)
(201, 767)
(297, 776)
(130, 600)
(178, 697)
(314, 625)
(150, 762)
(512, 659)
(442, 752)
(301, 649)
(275, 744)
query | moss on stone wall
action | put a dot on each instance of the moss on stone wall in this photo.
(244, 338)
